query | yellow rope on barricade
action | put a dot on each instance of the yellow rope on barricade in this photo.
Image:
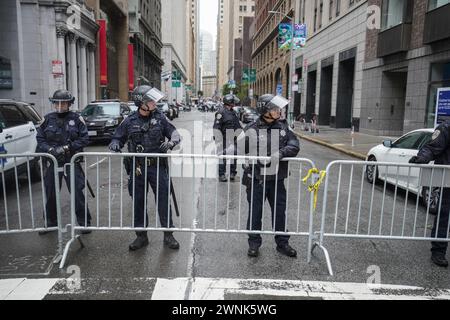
(316, 186)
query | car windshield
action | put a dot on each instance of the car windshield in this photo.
(111, 109)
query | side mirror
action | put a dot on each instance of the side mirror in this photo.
(387, 143)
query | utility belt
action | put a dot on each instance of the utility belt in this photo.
(141, 163)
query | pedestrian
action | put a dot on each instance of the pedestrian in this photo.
(148, 131)
(438, 150)
(226, 126)
(268, 177)
(63, 134)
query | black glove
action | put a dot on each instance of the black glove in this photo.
(417, 160)
(59, 152)
(166, 146)
(114, 146)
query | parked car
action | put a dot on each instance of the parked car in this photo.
(103, 117)
(18, 124)
(401, 151)
(166, 109)
(249, 115)
(132, 106)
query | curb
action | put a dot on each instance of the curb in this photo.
(331, 146)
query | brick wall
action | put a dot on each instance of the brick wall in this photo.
(420, 9)
(372, 36)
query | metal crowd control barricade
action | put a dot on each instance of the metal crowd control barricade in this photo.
(23, 201)
(205, 204)
(392, 208)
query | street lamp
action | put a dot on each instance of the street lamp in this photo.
(291, 64)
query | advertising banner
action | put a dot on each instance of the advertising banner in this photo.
(442, 106)
(103, 53)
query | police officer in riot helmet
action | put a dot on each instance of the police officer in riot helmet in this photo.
(225, 126)
(148, 131)
(438, 150)
(63, 134)
(268, 176)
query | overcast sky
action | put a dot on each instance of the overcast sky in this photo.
(208, 17)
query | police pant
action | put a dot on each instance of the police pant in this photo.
(274, 191)
(83, 217)
(442, 229)
(160, 187)
(223, 164)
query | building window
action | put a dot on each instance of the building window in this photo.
(393, 13)
(433, 4)
(330, 17)
(440, 78)
(338, 8)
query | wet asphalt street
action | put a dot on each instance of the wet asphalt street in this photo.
(110, 270)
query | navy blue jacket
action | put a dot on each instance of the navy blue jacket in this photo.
(149, 132)
(258, 136)
(58, 130)
(438, 149)
(226, 120)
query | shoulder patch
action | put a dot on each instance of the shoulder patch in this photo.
(218, 116)
(436, 135)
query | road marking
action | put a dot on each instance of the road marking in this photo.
(170, 290)
(225, 289)
(25, 289)
(97, 163)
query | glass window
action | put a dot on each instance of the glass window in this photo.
(102, 110)
(439, 78)
(433, 4)
(30, 114)
(13, 117)
(426, 138)
(410, 141)
(393, 13)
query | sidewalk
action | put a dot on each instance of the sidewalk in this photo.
(341, 140)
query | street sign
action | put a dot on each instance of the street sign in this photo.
(442, 106)
(176, 84)
(279, 89)
(249, 76)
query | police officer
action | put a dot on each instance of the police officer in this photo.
(226, 122)
(63, 134)
(438, 150)
(273, 173)
(146, 132)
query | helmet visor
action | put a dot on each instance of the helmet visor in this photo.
(153, 95)
(277, 102)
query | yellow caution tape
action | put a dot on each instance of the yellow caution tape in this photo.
(316, 186)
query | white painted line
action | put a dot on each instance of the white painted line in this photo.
(97, 163)
(170, 289)
(32, 289)
(8, 285)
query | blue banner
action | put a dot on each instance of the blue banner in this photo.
(443, 106)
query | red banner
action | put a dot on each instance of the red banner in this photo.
(103, 53)
(130, 67)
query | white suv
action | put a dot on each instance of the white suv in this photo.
(18, 123)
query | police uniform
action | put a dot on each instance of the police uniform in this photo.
(289, 146)
(438, 150)
(226, 119)
(145, 135)
(59, 130)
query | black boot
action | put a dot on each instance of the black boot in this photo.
(287, 250)
(253, 252)
(223, 178)
(140, 242)
(439, 259)
(170, 241)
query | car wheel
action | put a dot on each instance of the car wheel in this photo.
(35, 171)
(434, 201)
(372, 172)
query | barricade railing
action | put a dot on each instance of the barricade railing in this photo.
(384, 201)
(23, 195)
(205, 205)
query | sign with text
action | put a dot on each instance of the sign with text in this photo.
(442, 106)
